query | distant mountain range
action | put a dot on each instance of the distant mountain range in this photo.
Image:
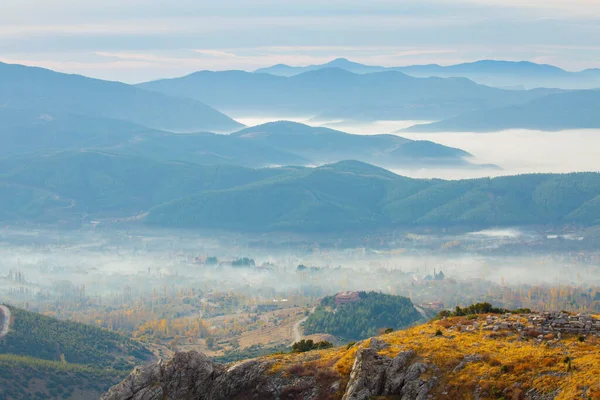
(334, 93)
(280, 143)
(47, 92)
(571, 110)
(78, 187)
(45, 110)
(498, 73)
(324, 145)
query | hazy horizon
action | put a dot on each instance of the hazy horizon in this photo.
(108, 75)
(133, 42)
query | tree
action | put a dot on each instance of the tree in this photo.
(212, 261)
(210, 343)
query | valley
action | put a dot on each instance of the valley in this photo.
(294, 200)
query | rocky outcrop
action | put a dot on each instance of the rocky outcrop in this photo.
(5, 317)
(377, 375)
(192, 376)
(186, 376)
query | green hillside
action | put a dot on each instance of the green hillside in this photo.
(342, 196)
(111, 185)
(334, 198)
(46, 338)
(46, 358)
(32, 378)
(361, 319)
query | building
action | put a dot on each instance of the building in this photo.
(346, 298)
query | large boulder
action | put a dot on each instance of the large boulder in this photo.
(376, 375)
(186, 376)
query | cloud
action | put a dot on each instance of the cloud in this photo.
(216, 53)
(560, 8)
(205, 24)
(92, 37)
(139, 66)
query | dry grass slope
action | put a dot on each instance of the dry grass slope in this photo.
(474, 363)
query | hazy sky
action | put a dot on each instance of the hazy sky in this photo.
(136, 40)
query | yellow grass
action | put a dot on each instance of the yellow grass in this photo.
(508, 366)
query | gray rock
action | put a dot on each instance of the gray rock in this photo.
(186, 376)
(465, 361)
(367, 376)
(378, 344)
(396, 372)
(193, 376)
(376, 375)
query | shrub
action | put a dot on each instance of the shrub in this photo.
(308, 345)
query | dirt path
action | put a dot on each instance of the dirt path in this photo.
(5, 320)
(422, 312)
(296, 330)
(296, 333)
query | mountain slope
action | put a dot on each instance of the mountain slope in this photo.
(27, 131)
(338, 197)
(282, 143)
(46, 338)
(323, 145)
(84, 186)
(335, 198)
(62, 359)
(107, 184)
(454, 358)
(496, 73)
(48, 92)
(208, 149)
(571, 110)
(337, 93)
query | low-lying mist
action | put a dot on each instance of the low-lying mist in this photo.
(520, 151)
(515, 151)
(109, 263)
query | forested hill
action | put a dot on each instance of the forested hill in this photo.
(43, 358)
(88, 186)
(48, 93)
(350, 195)
(554, 112)
(361, 317)
(48, 338)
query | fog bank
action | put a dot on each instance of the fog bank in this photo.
(517, 151)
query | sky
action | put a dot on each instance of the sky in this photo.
(139, 40)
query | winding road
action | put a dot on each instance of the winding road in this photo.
(296, 333)
(5, 320)
(422, 312)
(296, 330)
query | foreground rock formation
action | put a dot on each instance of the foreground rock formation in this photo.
(454, 358)
(193, 376)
